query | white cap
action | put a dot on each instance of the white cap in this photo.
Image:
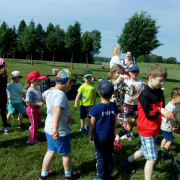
(16, 74)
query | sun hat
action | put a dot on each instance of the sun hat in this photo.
(34, 75)
(134, 68)
(87, 73)
(16, 74)
(64, 75)
(2, 62)
(105, 86)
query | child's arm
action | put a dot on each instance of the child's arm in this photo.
(94, 97)
(55, 121)
(28, 103)
(130, 100)
(91, 128)
(24, 96)
(77, 99)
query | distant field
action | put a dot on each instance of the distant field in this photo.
(23, 162)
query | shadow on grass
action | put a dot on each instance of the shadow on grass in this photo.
(172, 80)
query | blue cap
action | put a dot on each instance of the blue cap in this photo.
(105, 86)
(134, 68)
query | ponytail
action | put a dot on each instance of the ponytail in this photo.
(27, 85)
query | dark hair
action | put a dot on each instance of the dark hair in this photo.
(107, 95)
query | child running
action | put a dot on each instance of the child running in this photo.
(16, 102)
(3, 96)
(116, 76)
(102, 130)
(58, 126)
(150, 108)
(87, 92)
(34, 102)
(168, 127)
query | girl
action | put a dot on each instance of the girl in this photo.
(33, 102)
(116, 76)
(3, 96)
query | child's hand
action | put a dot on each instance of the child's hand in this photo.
(40, 104)
(168, 115)
(176, 130)
(55, 135)
(75, 107)
(125, 77)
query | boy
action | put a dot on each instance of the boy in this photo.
(87, 92)
(15, 93)
(58, 125)
(150, 108)
(131, 102)
(168, 127)
(102, 130)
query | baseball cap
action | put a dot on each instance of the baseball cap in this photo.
(64, 75)
(2, 62)
(87, 73)
(134, 68)
(34, 75)
(16, 74)
(105, 86)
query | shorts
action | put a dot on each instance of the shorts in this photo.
(131, 110)
(19, 107)
(62, 145)
(168, 136)
(148, 148)
(84, 111)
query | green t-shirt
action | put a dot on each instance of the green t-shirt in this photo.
(87, 91)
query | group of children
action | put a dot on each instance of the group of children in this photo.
(143, 102)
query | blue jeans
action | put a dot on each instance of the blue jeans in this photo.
(104, 150)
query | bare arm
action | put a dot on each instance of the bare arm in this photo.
(24, 96)
(77, 99)
(55, 121)
(130, 100)
(34, 103)
(91, 128)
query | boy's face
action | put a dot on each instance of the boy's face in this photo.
(156, 83)
(176, 99)
(68, 86)
(88, 79)
(134, 74)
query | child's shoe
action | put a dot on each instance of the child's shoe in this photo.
(82, 130)
(176, 165)
(5, 129)
(167, 157)
(51, 173)
(87, 129)
(117, 145)
(128, 166)
(74, 176)
(96, 178)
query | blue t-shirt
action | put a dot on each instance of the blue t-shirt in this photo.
(33, 96)
(105, 120)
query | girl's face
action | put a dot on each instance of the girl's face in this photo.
(37, 82)
(117, 73)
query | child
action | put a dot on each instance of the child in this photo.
(116, 76)
(3, 96)
(87, 92)
(130, 106)
(150, 108)
(33, 102)
(58, 125)
(167, 127)
(15, 93)
(102, 130)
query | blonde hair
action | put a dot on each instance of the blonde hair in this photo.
(3, 72)
(175, 92)
(115, 68)
(156, 71)
(116, 50)
(27, 85)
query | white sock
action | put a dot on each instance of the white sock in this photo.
(117, 138)
(44, 173)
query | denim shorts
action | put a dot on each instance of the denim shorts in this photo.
(62, 145)
(19, 107)
(84, 111)
(168, 135)
(148, 148)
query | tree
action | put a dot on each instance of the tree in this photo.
(139, 35)
(96, 36)
(73, 39)
(171, 60)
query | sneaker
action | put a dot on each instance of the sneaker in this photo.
(167, 157)
(82, 130)
(74, 176)
(5, 130)
(117, 145)
(51, 173)
(160, 154)
(132, 135)
(96, 178)
(128, 166)
(124, 137)
(87, 129)
(176, 165)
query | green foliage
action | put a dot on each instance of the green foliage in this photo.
(96, 35)
(139, 35)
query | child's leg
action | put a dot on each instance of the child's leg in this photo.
(8, 117)
(148, 169)
(167, 146)
(163, 142)
(3, 111)
(20, 118)
(133, 120)
(67, 162)
(47, 160)
(134, 156)
(82, 122)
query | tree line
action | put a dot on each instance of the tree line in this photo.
(33, 42)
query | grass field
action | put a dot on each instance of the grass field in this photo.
(23, 162)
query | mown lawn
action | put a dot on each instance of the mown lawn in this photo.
(21, 161)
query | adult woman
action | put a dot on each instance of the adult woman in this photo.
(115, 56)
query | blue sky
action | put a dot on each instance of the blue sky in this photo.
(107, 16)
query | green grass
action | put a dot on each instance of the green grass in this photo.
(21, 161)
